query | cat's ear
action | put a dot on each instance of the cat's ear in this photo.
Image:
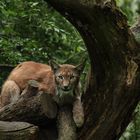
(54, 65)
(81, 66)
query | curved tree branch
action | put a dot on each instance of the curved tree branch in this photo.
(113, 90)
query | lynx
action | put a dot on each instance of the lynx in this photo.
(57, 80)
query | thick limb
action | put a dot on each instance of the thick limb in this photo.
(78, 112)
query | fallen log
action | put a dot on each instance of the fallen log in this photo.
(33, 106)
(18, 131)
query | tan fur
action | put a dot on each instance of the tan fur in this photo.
(10, 93)
(47, 77)
(70, 77)
(19, 77)
(33, 71)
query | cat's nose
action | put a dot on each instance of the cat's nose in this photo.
(66, 87)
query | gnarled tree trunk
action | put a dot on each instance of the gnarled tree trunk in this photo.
(113, 87)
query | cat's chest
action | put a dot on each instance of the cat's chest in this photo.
(63, 97)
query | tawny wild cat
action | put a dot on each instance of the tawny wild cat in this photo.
(55, 80)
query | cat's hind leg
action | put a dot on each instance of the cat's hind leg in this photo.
(10, 93)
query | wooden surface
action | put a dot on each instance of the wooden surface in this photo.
(18, 131)
(33, 107)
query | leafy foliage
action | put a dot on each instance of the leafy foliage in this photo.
(133, 130)
(31, 30)
(131, 9)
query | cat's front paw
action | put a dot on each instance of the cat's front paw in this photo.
(78, 113)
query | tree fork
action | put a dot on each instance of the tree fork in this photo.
(113, 90)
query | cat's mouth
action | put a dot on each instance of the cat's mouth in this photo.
(66, 89)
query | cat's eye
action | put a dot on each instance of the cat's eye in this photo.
(72, 77)
(61, 77)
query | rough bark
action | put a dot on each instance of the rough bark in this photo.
(113, 90)
(18, 130)
(33, 107)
